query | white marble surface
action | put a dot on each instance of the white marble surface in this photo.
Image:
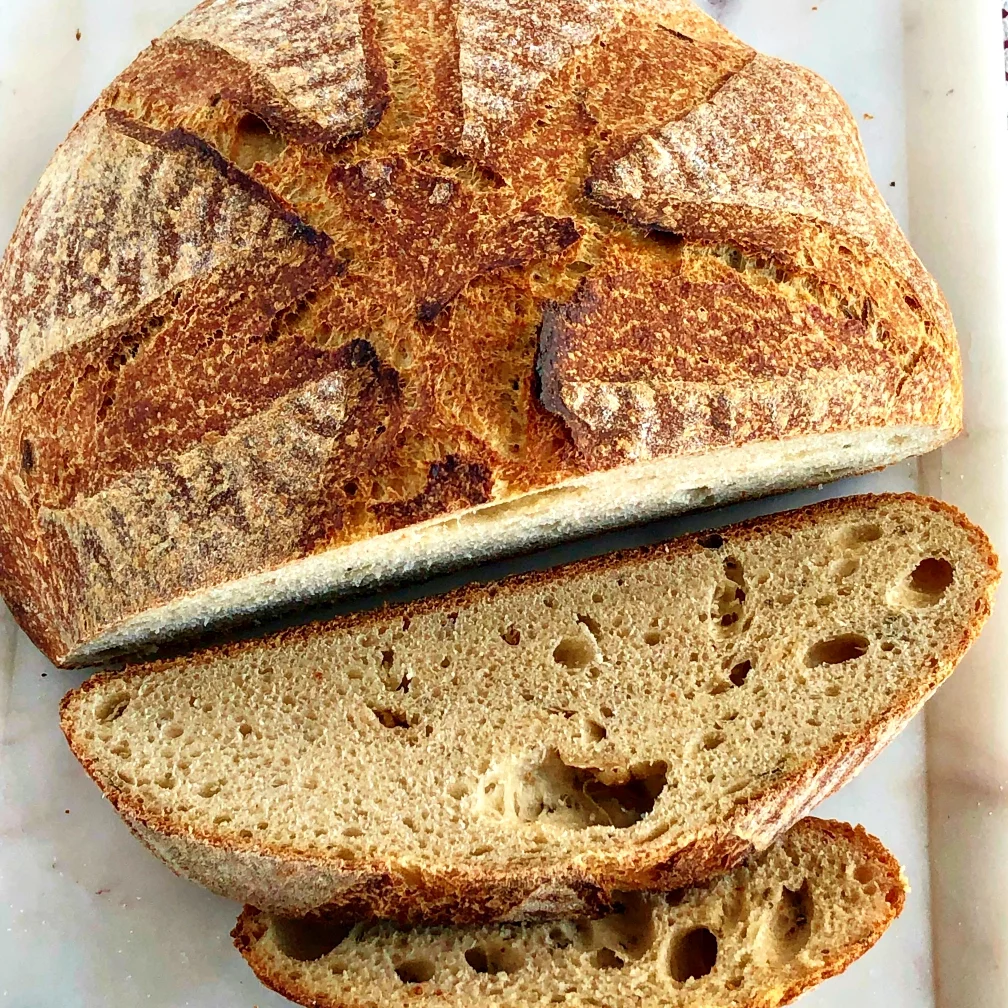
(959, 221)
(87, 917)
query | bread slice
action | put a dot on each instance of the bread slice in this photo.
(346, 292)
(637, 721)
(784, 921)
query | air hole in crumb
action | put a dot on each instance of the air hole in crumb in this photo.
(887, 645)
(591, 624)
(592, 731)
(712, 541)
(172, 730)
(559, 938)
(628, 933)
(836, 650)
(477, 959)
(494, 957)
(729, 599)
(307, 940)
(571, 797)
(511, 636)
(931, 577)
(693, 955)
(574, 652)
(605, 711)
(864, 874)
(607, 959)
(388, 656)
(858, 535)
(597, 597)
(112, 708)
(844, 568)
(740, 672)
(245, 729)
(792, 926)
(390, 718)
(352, 832)
(209, 790)
(712, 740)
(833, 690)
(652, 637)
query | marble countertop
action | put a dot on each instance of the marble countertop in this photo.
(88, 918)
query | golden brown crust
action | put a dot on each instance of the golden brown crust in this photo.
(252, 925)
(314, 71)
(296, 884)
(772, 152)
(771, 165)
(436, 154)
(508, 49)
(677, 357)
(85, 408)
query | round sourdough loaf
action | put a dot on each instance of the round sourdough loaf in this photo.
(325, 293)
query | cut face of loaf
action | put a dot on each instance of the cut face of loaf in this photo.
(786, 920)
(350, 291)
(518, 750)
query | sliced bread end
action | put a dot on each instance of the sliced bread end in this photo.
(784, 921)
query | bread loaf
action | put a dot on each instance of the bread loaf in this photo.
(325, 293)
(781, 923)
(520, 750)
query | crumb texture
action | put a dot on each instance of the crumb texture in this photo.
(779, 924)
(314, 283)
(623, 723)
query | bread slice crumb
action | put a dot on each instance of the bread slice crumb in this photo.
(519, 750)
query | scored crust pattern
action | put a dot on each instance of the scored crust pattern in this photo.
(474, 230)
